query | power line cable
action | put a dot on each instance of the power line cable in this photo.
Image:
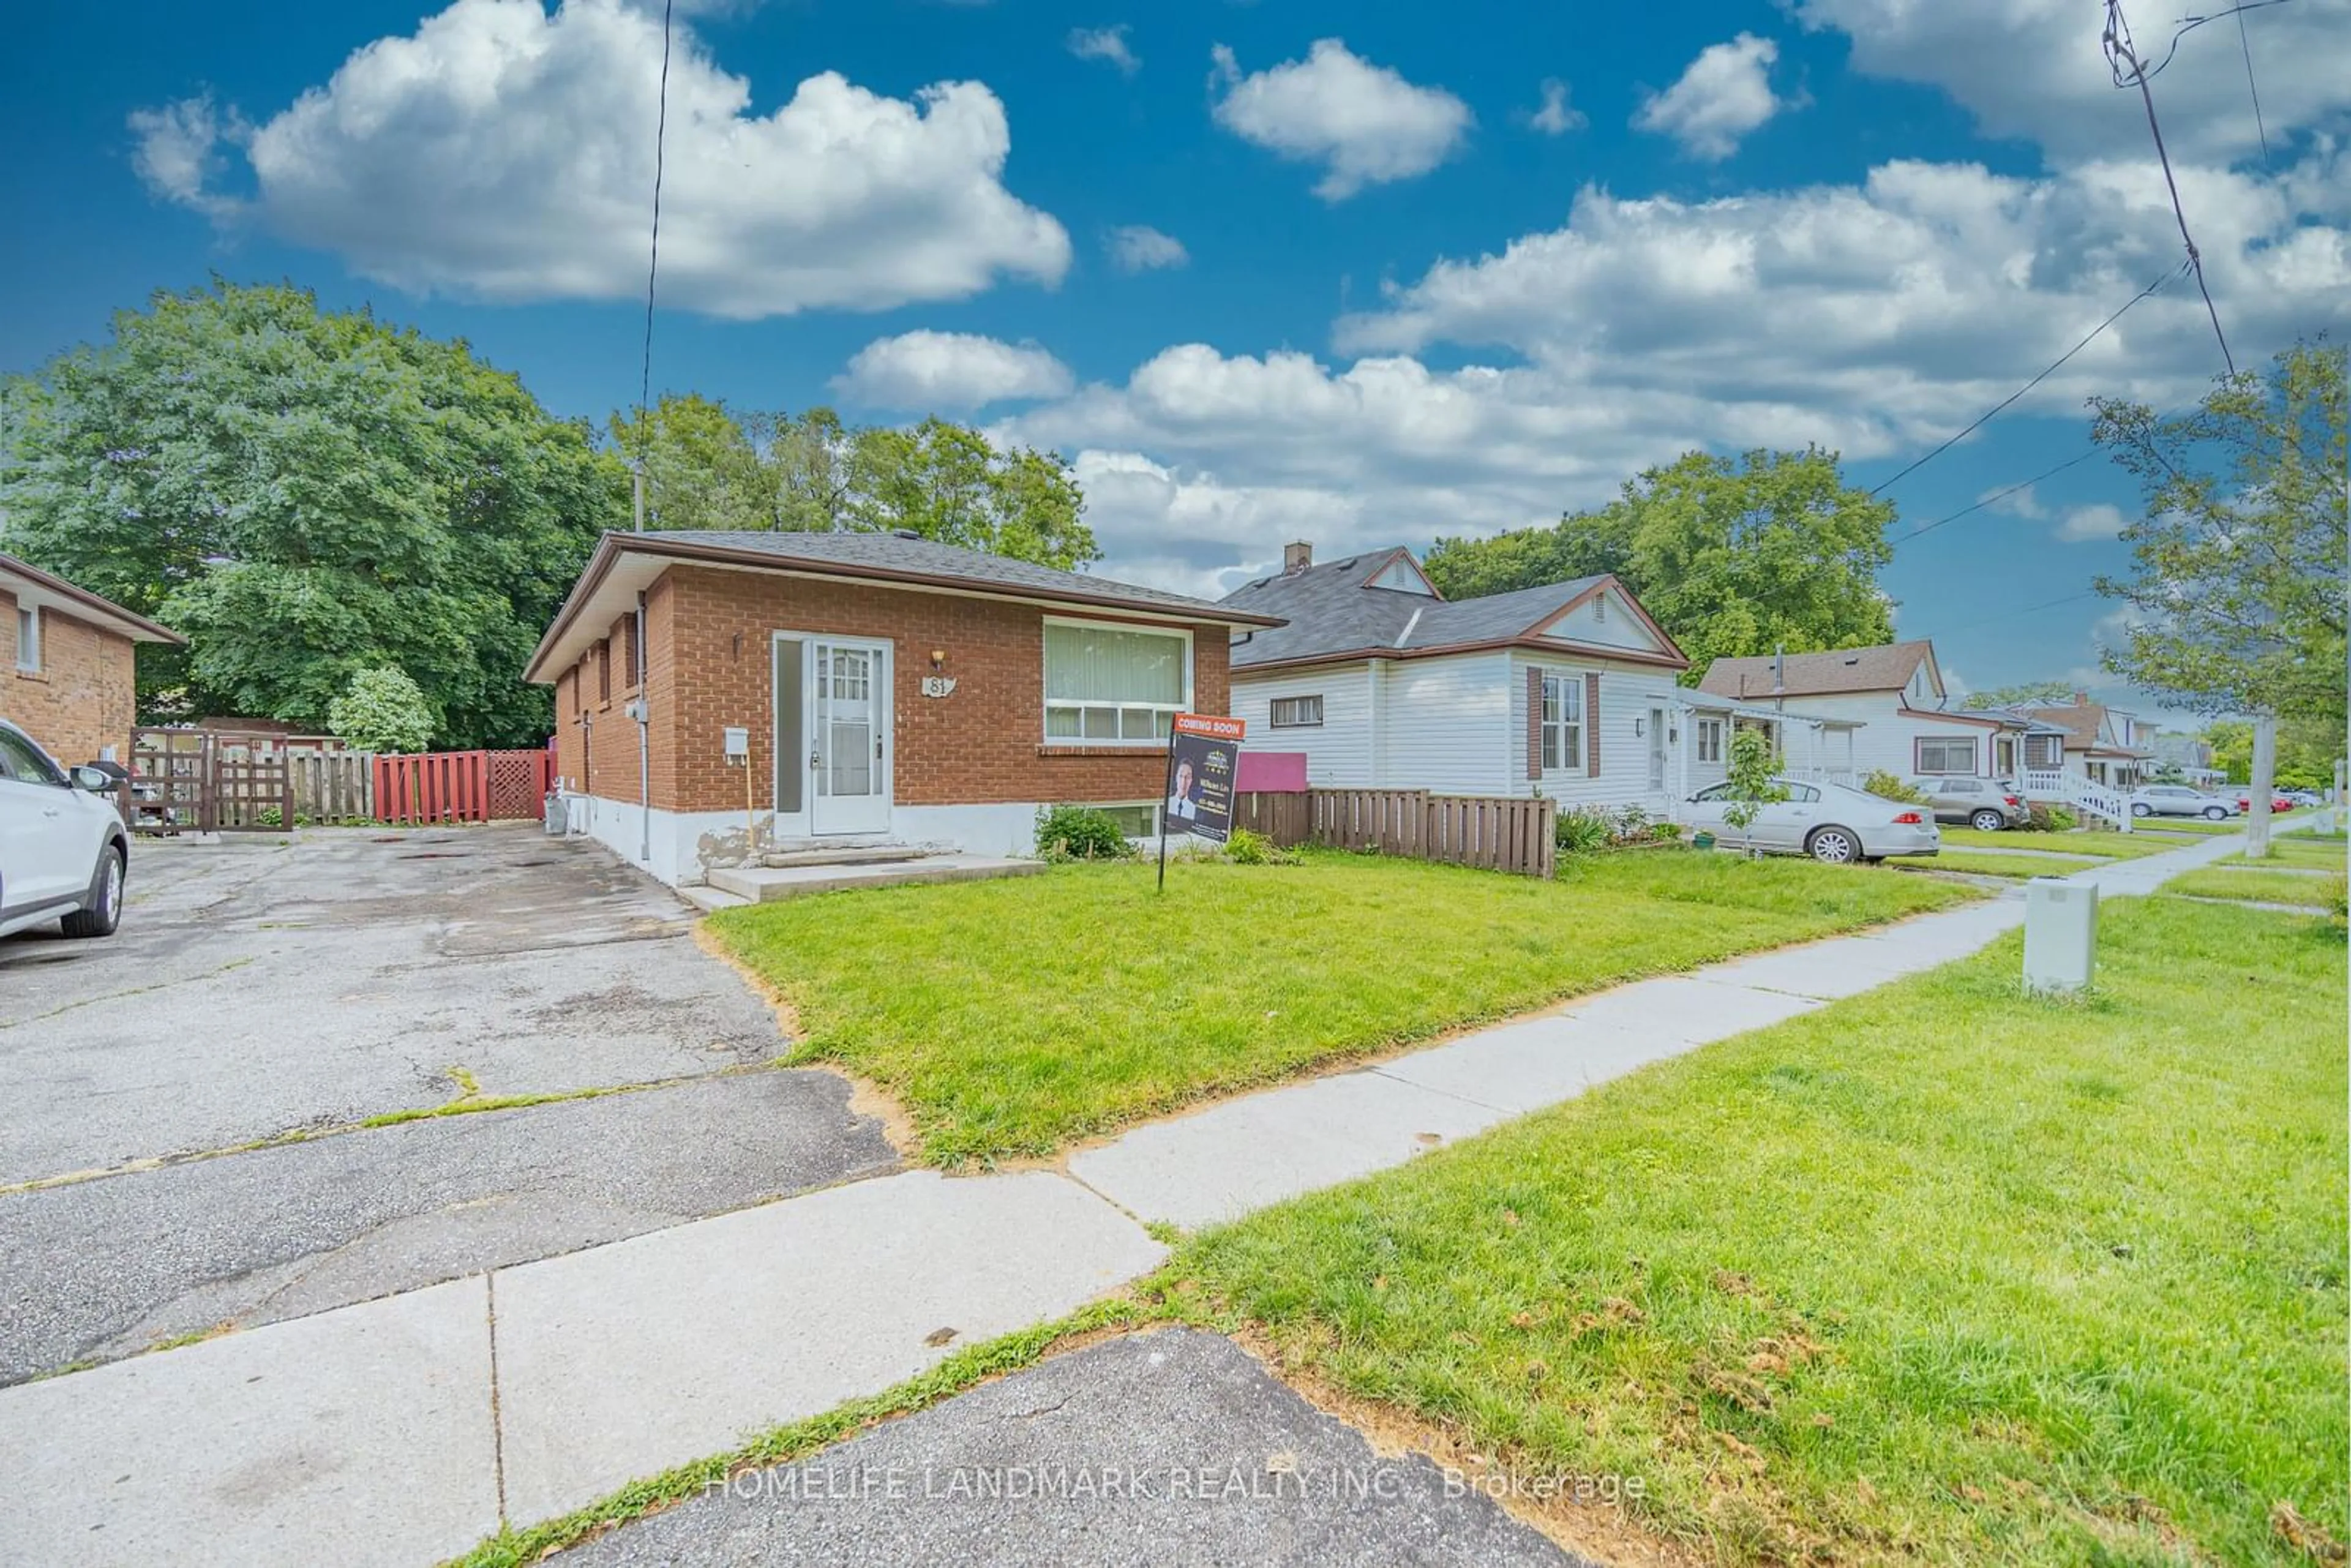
(2119, 49)
(1986, 417)
(2190, 24)
(653, 261)
(1996, 496)
(2013, 614)
(2245, 42)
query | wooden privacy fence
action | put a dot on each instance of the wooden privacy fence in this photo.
(461, 786)
(333, 786)
(1493, 832)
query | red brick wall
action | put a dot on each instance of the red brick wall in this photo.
(708, 645)
(85, 696)
(601, 756)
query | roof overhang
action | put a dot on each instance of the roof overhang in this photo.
(625, 565)
(1608, 580)
(34, 589)
(1485, 645)
(1707, 702)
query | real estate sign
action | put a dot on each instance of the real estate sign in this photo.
(1203, 762)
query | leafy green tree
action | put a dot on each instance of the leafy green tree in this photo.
(2237, 565)
(381, 710)
(1752, 773)
(702, 470)
(307, 494)
(1732, 557)
(2024, 694)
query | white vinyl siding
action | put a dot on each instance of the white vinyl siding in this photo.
(1887, 740)
(1627, 695)
(1446, 725)
(1614, 626)
(1338, 753)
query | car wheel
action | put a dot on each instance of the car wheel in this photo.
(103, 913)
(1987, 821)
(2216, 813)
(1834, 846)
(2141, 808)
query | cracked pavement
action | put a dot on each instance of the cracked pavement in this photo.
(305, 982)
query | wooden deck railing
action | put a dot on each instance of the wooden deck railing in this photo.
(1493, 832)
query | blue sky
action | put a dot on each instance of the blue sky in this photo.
(1359, 275)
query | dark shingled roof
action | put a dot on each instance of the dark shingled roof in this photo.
(889, 555)
(1328, 610)
(1884, 669)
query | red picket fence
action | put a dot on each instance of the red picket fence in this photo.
(461, 786)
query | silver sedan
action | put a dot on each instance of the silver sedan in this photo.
(1827, 821)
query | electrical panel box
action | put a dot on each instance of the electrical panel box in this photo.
(738, 741)
(2061, 933)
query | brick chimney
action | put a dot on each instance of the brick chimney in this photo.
(2081, 699)
(1296, 557)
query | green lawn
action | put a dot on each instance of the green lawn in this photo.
(2261, 887)
(1013, 1017)
(2196, 825)
(2301, 850)
(1937, 1274)
(1998, 865)
(2101, 845)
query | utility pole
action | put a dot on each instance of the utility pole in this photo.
(2265, 787)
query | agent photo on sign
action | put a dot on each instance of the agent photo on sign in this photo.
(1183, 801)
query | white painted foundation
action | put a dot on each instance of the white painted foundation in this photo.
(683, 845)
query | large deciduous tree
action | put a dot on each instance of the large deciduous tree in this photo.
(307, 494)
(708, 467)
(1743, 556)
(2238, 566)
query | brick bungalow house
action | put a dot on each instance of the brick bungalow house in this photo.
(886, 689)
(68, 664)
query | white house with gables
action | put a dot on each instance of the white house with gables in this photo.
(1566, 689)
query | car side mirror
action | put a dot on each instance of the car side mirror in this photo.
(97, 780)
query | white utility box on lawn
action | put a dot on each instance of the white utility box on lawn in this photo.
(2061, 933)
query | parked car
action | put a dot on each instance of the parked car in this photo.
(63, 851)
(1827, 821)
(2278, 802)
(1990, 804)
(2181, 800)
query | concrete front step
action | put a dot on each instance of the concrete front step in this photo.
(764, 885)
(864, 854)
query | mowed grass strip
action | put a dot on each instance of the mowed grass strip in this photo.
(2196, 825)
(2260, 886)
(2302, 851)
(1012, 1018)
(2097, 845)
(1937, 1274)
(1998, 865)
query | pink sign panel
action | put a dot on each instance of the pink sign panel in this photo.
(1272, 773)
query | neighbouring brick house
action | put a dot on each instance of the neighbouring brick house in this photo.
(889, 689)
(68, 664)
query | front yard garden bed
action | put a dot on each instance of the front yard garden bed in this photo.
(1938, 1274)
(1013, 1017)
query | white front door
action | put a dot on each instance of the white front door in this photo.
(1657, 749)
(848, 710)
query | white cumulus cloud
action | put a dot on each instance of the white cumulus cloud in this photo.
(1139, 247)
(1724, 94)
(1365, 125)
(1105, 44)
(927, 370)
(503, 151)
(1555, 117)
(2034, 69)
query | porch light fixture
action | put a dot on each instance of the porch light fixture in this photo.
(938, 658)
(1640, 728)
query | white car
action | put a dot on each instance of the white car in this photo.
(1827, 821)
(63, 851)
(2179, 801)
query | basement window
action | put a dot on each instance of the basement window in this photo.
(1297, 712)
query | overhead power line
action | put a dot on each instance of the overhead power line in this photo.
(653, 261)
(2245, 43)
(2120, 53)
(2051, 369)
(1996, 496)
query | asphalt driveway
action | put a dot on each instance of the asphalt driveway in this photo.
(307, 982)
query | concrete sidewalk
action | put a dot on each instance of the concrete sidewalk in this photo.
(402, 1430)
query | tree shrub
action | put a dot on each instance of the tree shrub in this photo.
(1080, 833)
(381, 710)
(1878, 781)
(1248, 847)
(1581, 832)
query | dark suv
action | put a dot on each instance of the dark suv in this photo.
(1990, 804)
